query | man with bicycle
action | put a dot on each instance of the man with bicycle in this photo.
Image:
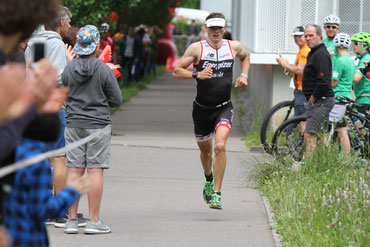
(331, 26)
(316, 84)
(343, 72)
(361, 86)
(297, 71)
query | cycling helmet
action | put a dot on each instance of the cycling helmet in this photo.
(362, 37)
(104, 28)
(331, 19)
(342, 40)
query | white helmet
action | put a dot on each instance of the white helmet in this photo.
(331, 19)
(104, 28)
(342, 40)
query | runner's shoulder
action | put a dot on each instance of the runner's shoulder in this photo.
(194, 49)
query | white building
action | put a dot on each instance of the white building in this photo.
(264, 28)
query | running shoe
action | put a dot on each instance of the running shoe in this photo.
(208, 190)
(71, 227)
(61, 222)
(96, 228)
(216, 201)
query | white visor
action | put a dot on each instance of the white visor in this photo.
(215, 22)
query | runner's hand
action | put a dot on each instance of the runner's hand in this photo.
(241, 82)
(205, 74)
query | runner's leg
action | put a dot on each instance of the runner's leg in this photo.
(206, 156)
(219, 163)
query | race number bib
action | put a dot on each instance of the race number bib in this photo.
(337, 113)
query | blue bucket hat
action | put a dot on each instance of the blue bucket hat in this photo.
(88, 38)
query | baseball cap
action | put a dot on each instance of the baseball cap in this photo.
(215, 22)
(298, 31)
(88, 38)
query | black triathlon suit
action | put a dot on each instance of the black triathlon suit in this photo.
(212, 106)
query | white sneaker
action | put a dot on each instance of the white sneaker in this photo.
(96, 228)
(71, 226)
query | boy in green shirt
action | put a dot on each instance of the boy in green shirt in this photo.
(360, 42)
(343, 73)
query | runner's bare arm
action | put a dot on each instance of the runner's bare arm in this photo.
(243, 55)
(190, 56)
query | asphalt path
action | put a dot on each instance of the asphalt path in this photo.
(153, 190)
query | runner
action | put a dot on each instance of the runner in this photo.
(213, 61)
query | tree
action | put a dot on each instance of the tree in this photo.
(130, 12)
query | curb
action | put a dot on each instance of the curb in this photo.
(256, 149)
(272, 222)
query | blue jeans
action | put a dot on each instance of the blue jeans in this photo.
(299, 102)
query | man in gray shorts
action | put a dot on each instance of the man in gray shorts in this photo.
(317, 87)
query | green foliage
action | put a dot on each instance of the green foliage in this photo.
(321, 202)
(252, 137)
(130, 12)
(191, 4)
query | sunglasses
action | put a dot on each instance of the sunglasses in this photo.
(331, 26)
(356, 43)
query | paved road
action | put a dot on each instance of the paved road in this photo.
(153, 191)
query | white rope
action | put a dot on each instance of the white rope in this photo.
(37, 158)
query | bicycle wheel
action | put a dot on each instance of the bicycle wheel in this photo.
(288, 140)
(272, 120)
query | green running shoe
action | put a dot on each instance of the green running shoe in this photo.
(216, 201)
(208, 190)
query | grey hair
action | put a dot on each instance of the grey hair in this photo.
(63, 14)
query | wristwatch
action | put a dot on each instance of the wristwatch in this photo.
(195, 74)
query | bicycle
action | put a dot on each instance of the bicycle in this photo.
(272, 120)
(288, 139)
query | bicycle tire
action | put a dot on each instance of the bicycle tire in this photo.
(288, 141)
(285, 109)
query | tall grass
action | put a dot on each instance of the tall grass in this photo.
(324, 203)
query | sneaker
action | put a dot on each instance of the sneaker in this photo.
(61, 222)
(96, 228)
(208, 190)
(216, 201)
(50, 222)
(71, 227)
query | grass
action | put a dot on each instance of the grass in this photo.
(252, 137)
(323, 203)
(135, 86)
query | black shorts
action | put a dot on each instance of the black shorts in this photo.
(206, 120)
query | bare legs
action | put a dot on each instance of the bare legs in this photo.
(95, 177)
(60, 171)
(219, 161)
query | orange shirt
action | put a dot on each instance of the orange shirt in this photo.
(300, 58)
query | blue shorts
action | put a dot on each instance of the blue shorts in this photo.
(61, 142)
(299, 102)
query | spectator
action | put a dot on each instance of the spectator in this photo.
(58, 54)
(331, 26)
(155, 33)
(94, 89)
(128, 54)
(361, 86)
(139, 53)
(107, 39)
(297, 71)
(192, 33)
(316, 84)
(343, 72)
(70, 38)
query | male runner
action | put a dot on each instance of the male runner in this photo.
(213, 60)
